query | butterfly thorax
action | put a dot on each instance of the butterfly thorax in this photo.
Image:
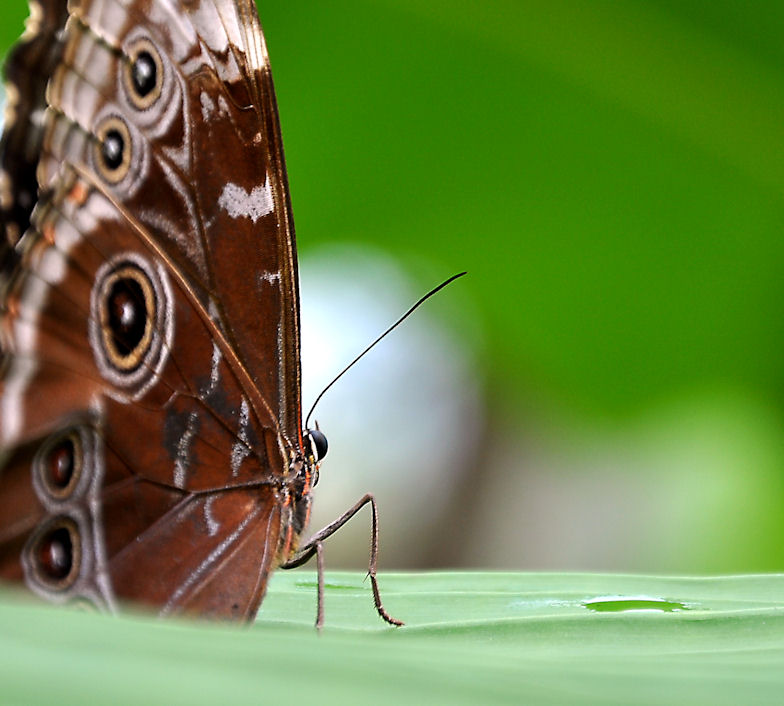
(297, 500)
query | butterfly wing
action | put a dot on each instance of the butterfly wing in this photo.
(28, 69)
(151, 324)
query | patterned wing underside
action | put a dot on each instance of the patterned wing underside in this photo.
(180, 503)
(28, 69)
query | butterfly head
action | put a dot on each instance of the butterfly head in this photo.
(303, 475)
(316, 450)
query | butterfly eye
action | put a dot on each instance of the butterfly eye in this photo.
(144, 74)
(127, 312)
(113, 150)
(318, 444)
(55, 554)
(59, 466)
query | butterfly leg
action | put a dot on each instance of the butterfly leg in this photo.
(320, 589)
(313, 547)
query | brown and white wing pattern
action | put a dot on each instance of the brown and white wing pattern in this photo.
(28, 69)
(150, 388)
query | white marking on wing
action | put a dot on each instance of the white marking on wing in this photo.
(50, 269)
(271, 277)
(215, 367)
(67, 236)
(207, 106)
(23, 363)
(216, 352)
(238, 203)
(52, 266)
(19, 376)
(223, 107)
(240, 450)
(212, 524)
(183, 460)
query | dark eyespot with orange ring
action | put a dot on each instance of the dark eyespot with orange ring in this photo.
(56, 554)
(59, 466)
(143, 74)
(127, 311)
(113, 149)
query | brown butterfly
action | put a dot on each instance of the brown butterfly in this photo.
(151, 447)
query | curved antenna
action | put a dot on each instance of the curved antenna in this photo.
(389, 330)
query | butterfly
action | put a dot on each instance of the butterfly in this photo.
(152, 448)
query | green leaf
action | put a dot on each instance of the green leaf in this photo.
(469, 638)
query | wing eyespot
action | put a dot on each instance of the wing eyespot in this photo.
(131, 321)
(59, 464)
(127, 310)
(143, 74)
(55, 554)
(113, 149)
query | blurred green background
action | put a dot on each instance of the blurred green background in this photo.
(611, 176)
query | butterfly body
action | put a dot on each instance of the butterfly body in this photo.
(150, 416)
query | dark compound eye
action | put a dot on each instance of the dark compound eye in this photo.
(318, 443)
(144, 74)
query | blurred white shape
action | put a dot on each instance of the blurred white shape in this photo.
(402, 423)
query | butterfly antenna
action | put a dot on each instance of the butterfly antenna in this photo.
(389, 330)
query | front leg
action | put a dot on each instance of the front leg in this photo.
(314, 546)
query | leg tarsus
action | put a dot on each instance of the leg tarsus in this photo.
(313, 547)
(320, 584)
